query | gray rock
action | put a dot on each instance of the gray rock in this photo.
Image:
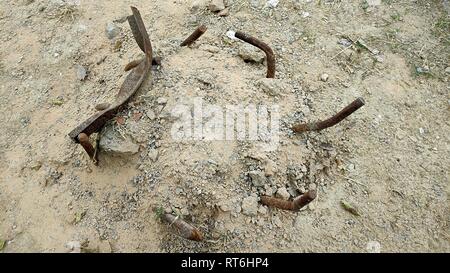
(161, 100)
(216, 5)
(150, 114)
(270, 168)
(224, 12)
(258, 178)
(74, 246)
(112, 30)
(250, 206)
(272, 87)
(81, 72)
(112, 142)
(262, 210)
(283, 193)
(250, 53)
(324, 77)
(447, 70)
(153, 154)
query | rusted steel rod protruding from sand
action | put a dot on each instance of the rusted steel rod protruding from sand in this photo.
(86, 144)
(185, 229)
(194, 36)
(133, 64)
(270, 56)
(320, 125)
(294, 205)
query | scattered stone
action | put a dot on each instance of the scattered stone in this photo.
(81, 73)
(250, 53)
(250, 206)
(324, 77)
(112, 142)
(262, 210)
(184, 212)
(161, 100)
(422, 70)
(272, 87)
(351, 167)
(151, 114)
(216, 5)
(153, 154)
(282, 193)
(447, 70)
(345, 42)
(270, 168)
(258, 178)
(224, 12)
(272, 3)
(421, 131)
(305, 14)
(74, 246)
(112, 30)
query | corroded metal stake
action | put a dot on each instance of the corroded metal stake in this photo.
(270, 56)
(194, 36)
(320, 125)
(131, 84)
(185, 229)
(133, 64)
(294, 205)
(86, 144)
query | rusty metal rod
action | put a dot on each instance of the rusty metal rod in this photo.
(294, 205)
(320, 125)
(194, 36)
(185, 229)
(133, 64)
(86, 144)
(270, 56)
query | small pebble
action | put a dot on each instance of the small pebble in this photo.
(324, 77)
(112, 30)
(216, 5)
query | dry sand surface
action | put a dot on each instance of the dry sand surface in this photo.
(389, 161)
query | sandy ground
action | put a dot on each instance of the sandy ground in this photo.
(390, 160)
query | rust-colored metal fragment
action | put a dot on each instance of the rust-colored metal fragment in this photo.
(133, 64)
(320, 125)
(270, 56)
(86, 144)
(131, 84)
(184, 229)
(194, 36)
(294, 205)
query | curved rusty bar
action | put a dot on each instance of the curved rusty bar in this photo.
(184, 229)
(131, 84)
(270, 56)
(194, 36)
(320, 125)
(294, 205)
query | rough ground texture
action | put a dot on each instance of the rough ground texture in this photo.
(390, 160)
